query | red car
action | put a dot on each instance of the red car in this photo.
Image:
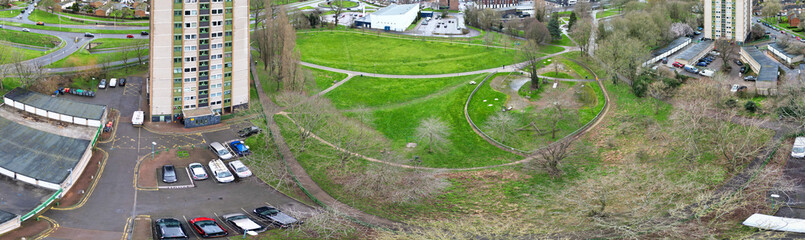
(207, 227)
(129, 36)
(679, 65)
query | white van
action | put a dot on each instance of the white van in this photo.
(798, 151)
(220, 172)
(137, 118)
(707, 73)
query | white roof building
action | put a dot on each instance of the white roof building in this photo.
(392, 18)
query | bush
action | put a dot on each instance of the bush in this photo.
(640, 85)
(751, 106)
(731, 103)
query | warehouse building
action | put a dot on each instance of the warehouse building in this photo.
(392, 18)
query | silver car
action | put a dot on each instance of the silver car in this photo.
(220, 151)
(197, 171)
(243, 223)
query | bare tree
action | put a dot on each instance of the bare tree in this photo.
(394, 184)
(337, 9)
(582, 9)
(308, 113)
(551, 157)
(28, 72)
(660, 91)
(435, 131)
(540, 10)
(502, 125)
(140, 49)
(257, 8)
(737, 143)
(555, 114)
(532, 55)
(727, 48)
(4, 67)
(581, 33)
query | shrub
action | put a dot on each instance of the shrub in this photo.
(731, 103)
(751, 106)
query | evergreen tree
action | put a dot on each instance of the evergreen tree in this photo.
(572, 20)
(553, 27)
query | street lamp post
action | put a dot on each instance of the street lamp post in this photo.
(153, 146)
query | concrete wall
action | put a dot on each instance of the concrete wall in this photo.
(781, 55)
(754, 65)
(10, 225)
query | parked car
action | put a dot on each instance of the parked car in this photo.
(26, 30)
(207, 227)
(798, 151)
(40, 23)
(697, 33)
(742, 88)
(750, 78)
(664, 60)
(197, 171)
(144, 33)
(707, 72)
(241, 170)
(1, 26)
(702, 64)
(169, 174)
(744, 69)
(220, 172)
(276, 217)
(240, 148)
(691, 69)
(677, 64)
(246, 132)
(121, 82)
(89, 35)
(129, 36)
(734, 88)
(169, 228)
(243, 223)
(102, 84)
(113, 82)
(220, 150)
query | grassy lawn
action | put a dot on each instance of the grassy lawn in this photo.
(324, 78)
(342, 4)
(9, 84)
(606, 13)
(50, 18)
(9, 13)
(557, 75)
(106, 43)
(95, 18)
(19, 54)
(77, 30)
(85, 58)
(306, 8)
(29, 38)
(20, 3)
(375, 92)
(565, 41)
(358, 52)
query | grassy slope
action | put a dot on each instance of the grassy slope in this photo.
(565, 41)
(607, 13)
(400, 56)
(78, 30)
(105, 43)
(83, 57)
(9, 13)
(18, 54)
(324, 78)
(50, 18)
(29, 38)
(374, 92)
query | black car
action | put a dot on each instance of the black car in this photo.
(276, 217)
(144, 33)
(744, 69)
(169, 174)
(89, 35)
(121, 82)
(169, 228)
(246, 132)
(739, 63)
(664, 60)
(750, 78)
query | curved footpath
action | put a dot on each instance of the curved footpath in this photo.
(299, 174)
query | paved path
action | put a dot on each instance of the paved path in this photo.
(299, 173)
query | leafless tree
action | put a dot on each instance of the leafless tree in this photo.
(727, 49)
(350, 136)
(5, 68)
(308, 113)
(141, 50)
(737, 143)
(540, 10)
(337, 9)
(536, 32)
(387, 183)
(660, 91)
(257, 8)
(582, 9)
(551, 157)
(433, 130)
(28, 72)
(502, 125)
(532, 55)
(581, 33)
(555, 114)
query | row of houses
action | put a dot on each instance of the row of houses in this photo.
(105, 8)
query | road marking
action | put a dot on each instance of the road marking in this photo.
(192, 229)
(92, 187)
(54, 226)
(126, 229)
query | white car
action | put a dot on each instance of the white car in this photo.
(220, 151)
(241, 170)
(220, 172)
(197, 171)
(243, 223)
(798, 151)
(734, 88)
(26, 30)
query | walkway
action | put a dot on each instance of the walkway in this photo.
(298, 172)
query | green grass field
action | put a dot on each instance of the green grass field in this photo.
(15, 54)
(398, 123)
(324, 78)
(557, 75)
(77, 30)
(565, 41)
(9, 13)
(354, 51)
(29, 38)
(84, 58)
(342, 4)
(95, 18)
(106, 43)
(375, 92)
(9, 84)
(607, 13)
(50, 18)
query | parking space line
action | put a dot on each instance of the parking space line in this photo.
(192, 229)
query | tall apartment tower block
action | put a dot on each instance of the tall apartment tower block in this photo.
(727, 19)
(199, 60)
